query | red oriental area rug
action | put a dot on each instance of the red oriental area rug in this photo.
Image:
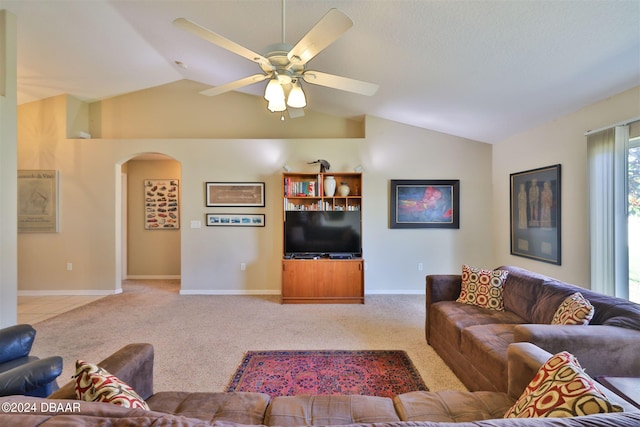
(383, 373)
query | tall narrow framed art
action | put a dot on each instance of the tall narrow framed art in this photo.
(536, 215)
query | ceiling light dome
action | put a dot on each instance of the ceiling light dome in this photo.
(296, 97)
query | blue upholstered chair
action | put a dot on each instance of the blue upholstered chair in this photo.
(21, 373)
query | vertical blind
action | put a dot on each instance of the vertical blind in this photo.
(607, 157)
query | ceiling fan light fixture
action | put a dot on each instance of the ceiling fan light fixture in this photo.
(296, 97)
(277, 105)
(274, 91)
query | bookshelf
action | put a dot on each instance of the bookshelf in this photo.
(322, 280)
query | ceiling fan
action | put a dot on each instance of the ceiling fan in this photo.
(285, 65)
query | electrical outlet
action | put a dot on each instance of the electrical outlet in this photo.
(420, 266)
(243, 266)
(69, 266)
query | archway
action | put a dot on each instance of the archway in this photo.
(148, 220)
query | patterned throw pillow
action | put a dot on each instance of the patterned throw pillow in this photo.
(561, 388)
(483, 287)
(94, 384)
(574, 310)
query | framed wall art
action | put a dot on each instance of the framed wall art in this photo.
(535, 214)
(235, 194)
(235, 220)
(425, 203)
(37, 201)
(161, 204)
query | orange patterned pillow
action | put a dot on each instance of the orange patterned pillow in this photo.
(94, 384)
(574, 310)
(483, 287)
(561, 388)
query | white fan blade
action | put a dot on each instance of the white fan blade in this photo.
(326, 31)
(338, 82)
(235, 85)
(221, 41)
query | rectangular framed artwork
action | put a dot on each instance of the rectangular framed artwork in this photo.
(38, 201)
(235, 220)
(235, 194)
(425, 203)
(162, 204)
(535, 214)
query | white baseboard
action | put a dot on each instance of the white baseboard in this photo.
(152, 277)
(227, 292)
(70, 292)
(395, 292)
(279, 291)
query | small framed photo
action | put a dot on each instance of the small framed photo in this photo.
(235, 220)
(425, 203)
(235, 194)
(535, 214)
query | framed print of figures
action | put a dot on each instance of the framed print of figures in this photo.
(425, 203)
(535, 214)
(235, 194)
(37, 201)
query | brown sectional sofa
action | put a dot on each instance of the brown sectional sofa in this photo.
(473, 341)
(134, 365)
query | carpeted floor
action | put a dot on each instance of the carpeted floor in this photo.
(384, 373)
(200, 339)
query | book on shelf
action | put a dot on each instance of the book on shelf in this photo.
(295, 188)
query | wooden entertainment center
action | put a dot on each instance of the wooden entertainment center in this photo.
(322, 277)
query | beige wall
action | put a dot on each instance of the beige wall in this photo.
(8, 170)
(91, 224)
(177, 110)
(90, 170)
(150, 253)
(559, 141)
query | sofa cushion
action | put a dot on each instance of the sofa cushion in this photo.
(487, 346)
(482, 287)
(574, 310)
(330, 410)
(561, 388)
(95, 384)
(449, 318)
(451, 406)
(239, 408)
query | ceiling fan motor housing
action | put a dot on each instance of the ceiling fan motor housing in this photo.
(285, 69)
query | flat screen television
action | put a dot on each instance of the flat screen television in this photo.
(322, 233)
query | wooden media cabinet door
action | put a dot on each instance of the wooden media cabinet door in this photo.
(323, 281)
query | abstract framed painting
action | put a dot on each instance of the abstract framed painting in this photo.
(425, 203)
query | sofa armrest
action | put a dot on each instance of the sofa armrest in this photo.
(132, 364)
(523, 362)
(600, 349)
(440, 287)
(443, 287)
(31, 376)
(16, 341)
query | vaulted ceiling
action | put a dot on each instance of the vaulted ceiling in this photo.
(483, 70)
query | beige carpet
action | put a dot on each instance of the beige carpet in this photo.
(200, 340)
